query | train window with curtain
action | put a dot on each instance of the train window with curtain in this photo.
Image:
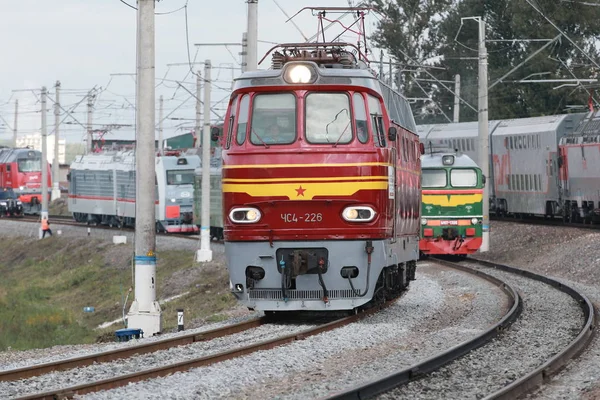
(510, 140)
(233, 112)
(328, 118)
(508, 179)
(376, 120)
(360, 116)
(463, 178)
(434, 178)
(242, 123)
(273, 119)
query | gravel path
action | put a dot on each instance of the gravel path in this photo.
(163, 242)
(549, 322)
(442, 308)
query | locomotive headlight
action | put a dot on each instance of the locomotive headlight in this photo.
(21, 187)
(244, 215)
(423, 221)
(299, 74)
(19, 202)
(3, 203)
(358, 214)
(173, 200)
(474, 221)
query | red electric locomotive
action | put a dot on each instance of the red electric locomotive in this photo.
(321, 183)
(20, 170)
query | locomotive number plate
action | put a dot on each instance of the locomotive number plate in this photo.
(451, 222)
(306, 217)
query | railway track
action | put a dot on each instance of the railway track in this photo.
(396, 384)
(122, 380)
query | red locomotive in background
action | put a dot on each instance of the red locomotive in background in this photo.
(20, 170)
(321, 183)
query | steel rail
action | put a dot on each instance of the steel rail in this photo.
(402, 377)
(112, 355)
(157, 372)
(517, 388)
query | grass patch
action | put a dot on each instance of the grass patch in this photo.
(46, 284)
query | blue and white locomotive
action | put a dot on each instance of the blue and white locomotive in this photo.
(102, 190)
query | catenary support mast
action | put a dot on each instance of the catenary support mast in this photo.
(145, 312)
(484, 146)
(252, 36)
(55, 169)
(205, 253)
(15, 130)
(44, 166)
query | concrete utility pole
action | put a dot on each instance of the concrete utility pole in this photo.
(160, 126)
(55, 169)
(456, 98)
(244, 52)
(90, 103)
(484, 146)
(252, 56)
(205, 253)
(198, 129)
(44, 211)
(145, 312)
(16, 123)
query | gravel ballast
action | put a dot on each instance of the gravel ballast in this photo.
(571, 255)
(549, 322)
(442, 308)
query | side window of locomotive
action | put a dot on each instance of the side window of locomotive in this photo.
(328, 118)
(360, 115)
(240, 136)
(273, 119)
(231, 123)
(434, 178)
(376, 121)
(463, 178)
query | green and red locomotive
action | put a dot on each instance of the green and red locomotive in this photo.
(452, 201)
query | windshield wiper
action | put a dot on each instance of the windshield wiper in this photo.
(340, 138)
(334, 119)
(259, 138)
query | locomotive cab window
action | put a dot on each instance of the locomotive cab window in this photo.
(180, 177)
(463, 178)
(29, 164)
(376, 121)
(434, 178)
(360, 115)
(231, 122)
(240, 136)
(273, 119)
(328, 118)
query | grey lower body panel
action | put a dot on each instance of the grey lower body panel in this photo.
(307, 292)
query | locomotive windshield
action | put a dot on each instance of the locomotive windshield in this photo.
(180, 177)
(273, 119)
(29, 164)
(328, 118)
(433, 178)
(463, 178)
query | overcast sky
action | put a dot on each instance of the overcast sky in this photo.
(82, 42)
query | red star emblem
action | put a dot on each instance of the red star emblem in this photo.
(300, 191)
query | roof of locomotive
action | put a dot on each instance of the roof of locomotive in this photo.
(434, 160)
(397, 105)
(10, 154)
